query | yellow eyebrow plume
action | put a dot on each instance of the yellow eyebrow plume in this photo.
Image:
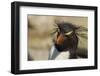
(68, 33)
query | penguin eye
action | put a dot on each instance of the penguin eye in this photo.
(69, 33)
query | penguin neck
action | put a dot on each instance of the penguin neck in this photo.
(56, 55)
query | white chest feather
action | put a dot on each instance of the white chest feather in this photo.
(56, 55)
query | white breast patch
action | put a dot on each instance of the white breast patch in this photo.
(56, 55)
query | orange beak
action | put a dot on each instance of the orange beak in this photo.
(60, 39)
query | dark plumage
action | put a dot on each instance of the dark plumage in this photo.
(66, 38)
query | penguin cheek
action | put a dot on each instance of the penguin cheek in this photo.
(59, 39)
